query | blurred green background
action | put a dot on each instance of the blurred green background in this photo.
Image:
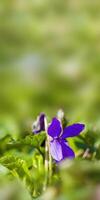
(49, 59)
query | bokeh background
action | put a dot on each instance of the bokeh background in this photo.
(49, 59)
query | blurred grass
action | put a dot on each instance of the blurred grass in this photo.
(49, 58)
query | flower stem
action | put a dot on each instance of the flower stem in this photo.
(46, 166)
(50, 162)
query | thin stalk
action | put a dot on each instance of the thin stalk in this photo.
(50, 163)
(48, 160)
(46, 166)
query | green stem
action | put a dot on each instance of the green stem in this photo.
(46, 166)
(50, 162)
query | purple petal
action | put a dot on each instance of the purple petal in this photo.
(72, 130)
(56, 150)
(60, 150)
(55, 128)
(42, 122)
(39, 124)
(67, 151)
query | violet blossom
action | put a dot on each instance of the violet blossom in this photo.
(39, 124)
(59, 147)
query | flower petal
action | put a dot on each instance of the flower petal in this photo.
(39, 124)
(56, 150)
(42, 121)
(72, 130)
(66, 150)
(60, 150)
(55, 128)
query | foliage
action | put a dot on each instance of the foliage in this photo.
(22, 160)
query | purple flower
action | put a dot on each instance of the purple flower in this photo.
(39, 124)
(58, 145)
